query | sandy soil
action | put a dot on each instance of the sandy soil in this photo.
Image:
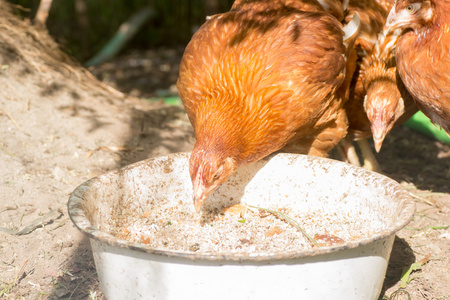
(60, 127)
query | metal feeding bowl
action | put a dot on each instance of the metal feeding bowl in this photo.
(362, 208)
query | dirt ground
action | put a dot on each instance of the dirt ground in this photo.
(60, 127)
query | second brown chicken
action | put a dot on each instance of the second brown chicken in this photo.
(378, 100)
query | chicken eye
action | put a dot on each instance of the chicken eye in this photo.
(412, 8)
(218, 173)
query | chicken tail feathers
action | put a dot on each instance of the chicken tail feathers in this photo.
(351, 31)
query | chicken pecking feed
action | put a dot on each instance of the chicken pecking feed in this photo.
(263, 77)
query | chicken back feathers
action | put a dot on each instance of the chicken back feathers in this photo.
(373, 14)
(423, 54)
(255, 80)
(334, 7)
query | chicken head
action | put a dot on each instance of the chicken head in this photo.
(208, 169)
(407, 14)
(384, 106)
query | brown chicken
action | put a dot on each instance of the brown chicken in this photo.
(262, 77)
(373, 16)
(376, 97)
(387, 103)
(423, 55)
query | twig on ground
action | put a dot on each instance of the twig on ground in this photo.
(113, 149)
(20, 273)
(60, 224)
(84, 280)
(6, 151)
(9, 208)
(35, 224)
(10, 285)
(422, 198)
(396, 295)
(12, 120)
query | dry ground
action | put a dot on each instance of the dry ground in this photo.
(59, 127)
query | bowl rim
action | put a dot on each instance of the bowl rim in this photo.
(80, 220)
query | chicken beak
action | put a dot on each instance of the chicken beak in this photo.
(198, 202)
(390, 21)
(200, 194)
(379, 130)
(396, 21)
(378, 142)
(378, 138)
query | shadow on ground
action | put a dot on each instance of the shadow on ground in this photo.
(154, 130)
(401, 256)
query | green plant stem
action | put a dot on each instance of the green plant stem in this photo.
(290, 221)
(126, 31)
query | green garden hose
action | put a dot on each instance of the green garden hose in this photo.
(422, 124)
